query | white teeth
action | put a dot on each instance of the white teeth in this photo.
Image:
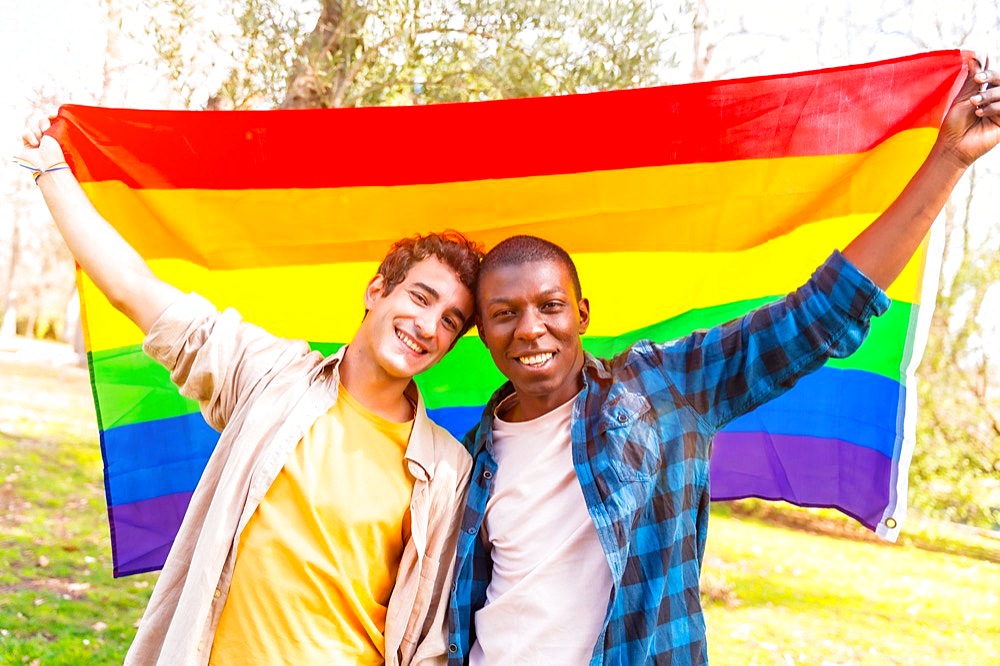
(408, 342)
(535, 359)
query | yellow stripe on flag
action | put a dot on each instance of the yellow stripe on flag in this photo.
(324, 303)
(696, 207)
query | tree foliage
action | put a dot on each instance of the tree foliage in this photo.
(956, 465)
(333, 53)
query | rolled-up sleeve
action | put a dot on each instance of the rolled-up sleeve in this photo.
(214, 357)
(852, 298)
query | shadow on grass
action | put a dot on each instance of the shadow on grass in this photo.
(934, 536)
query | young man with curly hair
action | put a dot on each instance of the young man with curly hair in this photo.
(323, 528)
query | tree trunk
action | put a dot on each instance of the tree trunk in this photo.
(114, 82)
(10, 298)
(307, 86)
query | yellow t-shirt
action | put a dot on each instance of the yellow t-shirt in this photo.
(317, 561)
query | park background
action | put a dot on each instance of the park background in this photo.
(782, 585)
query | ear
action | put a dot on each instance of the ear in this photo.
(584, 307)
(374, 290)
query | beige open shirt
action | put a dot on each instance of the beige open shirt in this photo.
(263, 393)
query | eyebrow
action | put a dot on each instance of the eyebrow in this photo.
(548, 293)
(434, 293)
(429, 289)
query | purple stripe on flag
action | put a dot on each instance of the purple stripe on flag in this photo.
(807, 471)
(141, 543)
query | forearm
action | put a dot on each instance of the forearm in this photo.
(745, 362)
(883, 249)
(970, 129)
(114, 266)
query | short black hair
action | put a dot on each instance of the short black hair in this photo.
(524, 249)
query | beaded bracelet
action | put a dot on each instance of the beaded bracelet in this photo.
(37, 173)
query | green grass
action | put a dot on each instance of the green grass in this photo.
(773, 595)
(58, 601)
(780, 596)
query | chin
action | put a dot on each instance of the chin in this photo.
(423, 365)
(534, 386)
(404, 368)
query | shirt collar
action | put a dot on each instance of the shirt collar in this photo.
(484, 433)
(421, 447)
(594, 365)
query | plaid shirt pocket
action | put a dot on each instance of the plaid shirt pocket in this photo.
(628, 426)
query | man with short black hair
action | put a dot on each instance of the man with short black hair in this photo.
(585, 524)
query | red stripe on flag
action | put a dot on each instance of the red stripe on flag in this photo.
(755, 118)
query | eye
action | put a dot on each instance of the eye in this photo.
(450, 323)
(553, 306)
(418, 297)
(504, 313)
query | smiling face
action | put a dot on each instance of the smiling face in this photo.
(410, 328)
(531, 320)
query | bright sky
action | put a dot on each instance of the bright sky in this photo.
(41, 42)
(58, 44)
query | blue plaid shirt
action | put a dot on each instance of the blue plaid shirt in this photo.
(641, 433)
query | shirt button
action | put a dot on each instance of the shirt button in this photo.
(622, 418)
(471, 530)
(487, 474)
(218, 593)
(453, 648)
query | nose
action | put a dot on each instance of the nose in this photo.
(425, 325)
(529, 326)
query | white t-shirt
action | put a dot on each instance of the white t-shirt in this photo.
(548, 598)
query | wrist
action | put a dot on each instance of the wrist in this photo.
(948, 157)
(38, 172)
(58, 166)
(49, 152)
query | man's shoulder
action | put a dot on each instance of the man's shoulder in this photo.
(448, 450)
(640, 352)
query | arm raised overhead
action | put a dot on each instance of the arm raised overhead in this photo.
(114, 265)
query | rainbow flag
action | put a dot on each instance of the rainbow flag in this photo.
(683, 205)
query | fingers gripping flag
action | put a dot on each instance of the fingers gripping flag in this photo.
(684, 206)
